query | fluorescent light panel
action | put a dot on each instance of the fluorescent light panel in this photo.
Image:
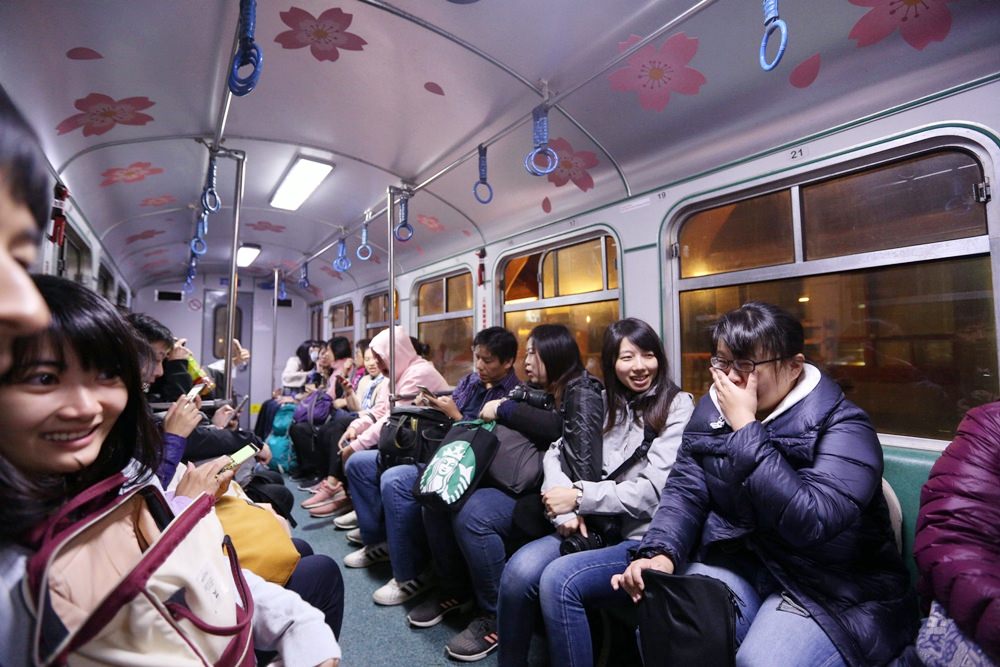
(246, 254)
(299, 183)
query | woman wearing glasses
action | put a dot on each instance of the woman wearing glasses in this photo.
(777, 492)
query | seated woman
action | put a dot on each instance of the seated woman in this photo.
(777, 492)
(642, 403)
(75, 415)
(957, 546)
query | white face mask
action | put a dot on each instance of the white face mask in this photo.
(314, 355)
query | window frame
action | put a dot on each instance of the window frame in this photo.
(346, 330)
(367, 326)
(869, 157)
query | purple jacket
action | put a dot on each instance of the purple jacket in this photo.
(957, 546)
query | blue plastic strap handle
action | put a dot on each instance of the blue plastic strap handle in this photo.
(248, 53)
(772, 23)
(488, 197)
(342, 263)
(282, 292)
(540, 118)
(198, 246)
(404, 223)
(304, 276)
(364, 251)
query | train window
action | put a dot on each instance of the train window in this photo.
(122, 297)
(316, 321)
(922, 199)
(577, 286)
(910, 334)
(377, 313)
(105, 282)
(219, 329)
(76, 258)
(341, 317)
(739, 235)
(444, 323)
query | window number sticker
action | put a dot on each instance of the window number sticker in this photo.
(796, 154)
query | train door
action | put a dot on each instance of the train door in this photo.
(213, 330)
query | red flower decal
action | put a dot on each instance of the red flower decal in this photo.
(920, 22)
(315, 291)
(133, 173)
(654, 74)
(143, 236)
(154, 253)
(83, 53)
(149, 266)
(430, 222)
(572, 166)
(435, 88)
(323, 35)
(155, 201)
(265, 226)
(805, 72)
(467, 232)
(330, 271)
(100, 113)
(547, 205)
(375, 258)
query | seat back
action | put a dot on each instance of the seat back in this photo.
(906, 471)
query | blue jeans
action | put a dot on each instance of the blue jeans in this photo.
(567, 586)
(771, 629)
(468, 547)
(388, 512)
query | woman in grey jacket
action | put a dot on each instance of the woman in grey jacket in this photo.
(569, 571)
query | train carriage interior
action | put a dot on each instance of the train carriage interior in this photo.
(471, 163)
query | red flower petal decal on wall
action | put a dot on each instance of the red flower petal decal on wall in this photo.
(573, 166)
(430, 222)
(324, 35)
(100, 113)
(330, 271)
(153, 201)
(133, 173)
(83, 53)
(144, 236)
(655, 73)
(432, 87)
(265, 226)
(805, 72)
(547, 205)
(920, 22)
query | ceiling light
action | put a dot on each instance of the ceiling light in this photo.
(246, 254)
(299, 182)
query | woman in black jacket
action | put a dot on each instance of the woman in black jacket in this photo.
(777, 492)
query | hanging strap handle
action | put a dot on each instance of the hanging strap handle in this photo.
(540, 133)
(343, 262)
(404, 230)
(488, 197)
(304, 276)
(772, 23)
(248, 53)
(364, 251)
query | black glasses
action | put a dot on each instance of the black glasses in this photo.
(744, 366)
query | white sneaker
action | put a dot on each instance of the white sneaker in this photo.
(346, 521)
(367, 556)
(354, 537)
(396, 593)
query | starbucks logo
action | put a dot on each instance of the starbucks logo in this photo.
(450, 471)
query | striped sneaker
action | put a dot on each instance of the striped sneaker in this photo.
(433, 611)
(475, 642)
(367, 556)
(398, 593)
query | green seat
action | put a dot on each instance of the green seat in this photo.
(907, 470)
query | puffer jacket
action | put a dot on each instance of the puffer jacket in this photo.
(802, 491)
(958, 531)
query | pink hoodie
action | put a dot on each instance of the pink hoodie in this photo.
(411, 370)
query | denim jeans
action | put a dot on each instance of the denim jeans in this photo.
(770, 629)
(387, 511)
(567, 586)
(468, 547)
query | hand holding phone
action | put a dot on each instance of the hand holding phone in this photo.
(425, 390)
(239, 408)
(194, 391)
(239, 457)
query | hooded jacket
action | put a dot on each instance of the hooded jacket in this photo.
(802, 491)
(958, 531)
(412, 371)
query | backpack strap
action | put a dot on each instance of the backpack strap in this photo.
(648, 436)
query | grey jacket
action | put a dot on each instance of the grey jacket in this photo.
(636, 493)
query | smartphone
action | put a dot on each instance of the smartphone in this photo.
(239, 408)
(239, 457)
(425, 390)
(194, 391)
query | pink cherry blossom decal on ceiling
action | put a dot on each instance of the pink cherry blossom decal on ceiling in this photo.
(430, 222)
(154, 253)
(805, 72)
(315, 291)
(467, 232)
(265, 226)
(83, 53)
(144, 236)
(919, 22)
(572, 166)
(547, 205)
(149, 266)
(655, 73)
(157, 201)
(324, 35)
(375, 258)
(432, 87)
(133, 173)
(99, 113)
(330, 271)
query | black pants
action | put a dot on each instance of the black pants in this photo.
(303, 435)
(327, 441)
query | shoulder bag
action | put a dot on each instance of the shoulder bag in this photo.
(411, 435)
(458, 466)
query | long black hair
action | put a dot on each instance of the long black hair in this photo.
(100, 338)
(23, 169)
(758, 327)
(654, 403)
(302, 352)
(558, 350)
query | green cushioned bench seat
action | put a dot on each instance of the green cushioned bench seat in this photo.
(907, 470)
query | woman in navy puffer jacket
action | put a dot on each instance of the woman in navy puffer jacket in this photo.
(958, 533)
(777, 492)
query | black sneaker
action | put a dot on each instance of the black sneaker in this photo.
(431, 612)
(475, 642)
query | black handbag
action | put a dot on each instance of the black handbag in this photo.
(458, 466)
(517, 466)
(411, 435)
(686, 620)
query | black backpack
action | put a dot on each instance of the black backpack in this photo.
(411, 435)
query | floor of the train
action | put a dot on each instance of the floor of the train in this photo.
(376, 636)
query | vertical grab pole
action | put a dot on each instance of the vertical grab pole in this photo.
(389, 195)
(240, 157)
(274, 331)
